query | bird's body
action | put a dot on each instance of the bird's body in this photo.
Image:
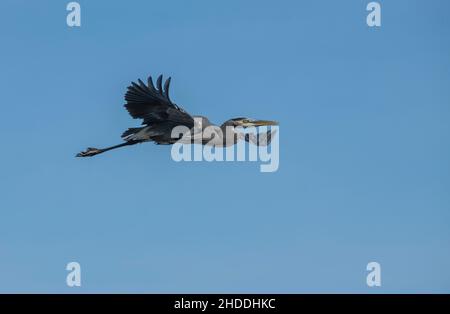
(166, 123)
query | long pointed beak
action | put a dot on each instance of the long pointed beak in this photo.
(263, 123)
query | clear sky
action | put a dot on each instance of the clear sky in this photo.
(364, 147)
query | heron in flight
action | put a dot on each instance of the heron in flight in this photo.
(160, 116)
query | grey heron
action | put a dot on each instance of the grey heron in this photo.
(161, 116)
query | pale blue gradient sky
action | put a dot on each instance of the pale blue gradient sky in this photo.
(364, 134)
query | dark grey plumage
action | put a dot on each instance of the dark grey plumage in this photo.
(159, 113)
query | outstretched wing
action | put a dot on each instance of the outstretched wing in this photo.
(154, 106)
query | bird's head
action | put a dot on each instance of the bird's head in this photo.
(247, 122)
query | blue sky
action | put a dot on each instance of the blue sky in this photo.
(364, 157)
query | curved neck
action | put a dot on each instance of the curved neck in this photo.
(230, 136)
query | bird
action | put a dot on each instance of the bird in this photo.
(160, 116)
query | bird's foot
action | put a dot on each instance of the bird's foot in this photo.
(89, 152)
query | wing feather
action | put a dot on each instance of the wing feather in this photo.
(153, 105)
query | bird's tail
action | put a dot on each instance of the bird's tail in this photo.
(128, 134)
